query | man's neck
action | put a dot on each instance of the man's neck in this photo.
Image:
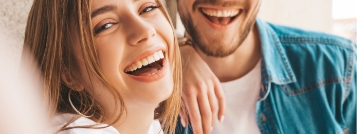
(240, 62)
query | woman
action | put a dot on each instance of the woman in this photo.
(107, 65)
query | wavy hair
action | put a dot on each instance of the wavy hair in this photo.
(47, 38)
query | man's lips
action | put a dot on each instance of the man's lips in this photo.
(220, 17)
(220, 13)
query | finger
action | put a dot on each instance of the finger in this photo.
(193, 113)
(221, 100)
(206, 114)
(213, 103)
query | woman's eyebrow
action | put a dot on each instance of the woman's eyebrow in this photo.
(102, 10)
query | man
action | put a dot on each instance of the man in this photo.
(275, 79)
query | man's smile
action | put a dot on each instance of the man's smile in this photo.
(221, 17)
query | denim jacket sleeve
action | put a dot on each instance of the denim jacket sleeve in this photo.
(349, 104)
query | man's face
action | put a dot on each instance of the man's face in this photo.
(218, 27)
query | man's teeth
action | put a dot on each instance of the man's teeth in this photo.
(145, 61)
(220, 13)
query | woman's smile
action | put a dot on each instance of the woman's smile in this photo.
(150, 68)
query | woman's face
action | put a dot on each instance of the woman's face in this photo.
(134, 41)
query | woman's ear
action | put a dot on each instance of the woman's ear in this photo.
(70, 81)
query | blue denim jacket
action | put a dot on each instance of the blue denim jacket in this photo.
(308, 82)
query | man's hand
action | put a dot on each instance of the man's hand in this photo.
(202, 93)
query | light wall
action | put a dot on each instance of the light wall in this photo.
(307, 14)
(13, 17)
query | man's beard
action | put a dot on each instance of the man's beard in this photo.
(217, 47)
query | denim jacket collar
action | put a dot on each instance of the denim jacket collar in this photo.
(276, 67)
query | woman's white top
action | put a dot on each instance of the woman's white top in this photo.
(62, 119)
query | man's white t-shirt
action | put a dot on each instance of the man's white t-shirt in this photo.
(241, 97)
(62, 119)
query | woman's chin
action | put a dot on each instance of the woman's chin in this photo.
(164, 90)
(161, 92)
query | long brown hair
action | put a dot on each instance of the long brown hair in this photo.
(48, 39)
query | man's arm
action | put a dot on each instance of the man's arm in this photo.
(202, 93)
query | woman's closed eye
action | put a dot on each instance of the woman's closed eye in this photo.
(103, 27)
(148, 8)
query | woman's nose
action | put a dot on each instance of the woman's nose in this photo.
(139, 31)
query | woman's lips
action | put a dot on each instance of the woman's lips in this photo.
(145, 61)
(149, 68)
(151, 74)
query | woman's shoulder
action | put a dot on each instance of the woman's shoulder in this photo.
(61, 119)
(155, 128)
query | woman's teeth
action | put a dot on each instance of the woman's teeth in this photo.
(145, 61)
(220, 13)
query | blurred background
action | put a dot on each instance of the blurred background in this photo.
(345, 18)
(337, 17)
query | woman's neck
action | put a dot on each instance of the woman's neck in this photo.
(136, 120)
